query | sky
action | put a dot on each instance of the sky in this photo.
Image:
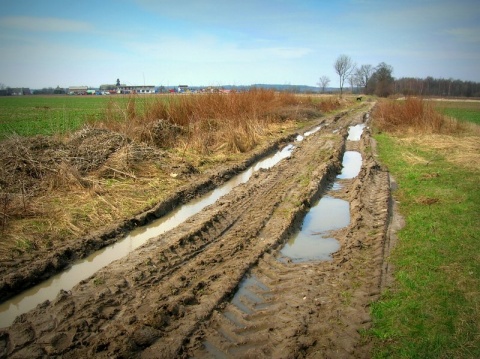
(62, 43)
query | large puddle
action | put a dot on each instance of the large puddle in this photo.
(312, 241)
(85, 268)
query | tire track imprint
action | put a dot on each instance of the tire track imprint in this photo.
(175, 296)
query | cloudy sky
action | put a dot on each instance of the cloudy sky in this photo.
(238, 42)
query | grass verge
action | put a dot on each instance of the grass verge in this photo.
(433, 308)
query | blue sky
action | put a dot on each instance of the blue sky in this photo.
(218, 42)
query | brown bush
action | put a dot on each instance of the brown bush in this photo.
(412, 115)
(205, 123)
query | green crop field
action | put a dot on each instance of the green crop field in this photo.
(461, 110)
(47, 115)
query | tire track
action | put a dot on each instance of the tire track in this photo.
(309, 309)
(160, 300)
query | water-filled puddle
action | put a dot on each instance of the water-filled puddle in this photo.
(312, 241)
(352, 163)
(355, 132)
(85, 268)
(312, 131)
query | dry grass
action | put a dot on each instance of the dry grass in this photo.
(417, 124)
(54, 189)
(206, 123)
(415, 115)
(460, 150)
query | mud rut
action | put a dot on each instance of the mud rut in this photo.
(173, 296)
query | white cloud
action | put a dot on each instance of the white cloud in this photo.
(45, 24)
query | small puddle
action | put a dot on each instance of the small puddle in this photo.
(355, 132)
(312, 131)
(312, 241)
(83, 269)
(352, 163)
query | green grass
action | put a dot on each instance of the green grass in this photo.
(48, 115)
(461, 110)
(433, 309)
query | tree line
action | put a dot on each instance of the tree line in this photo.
(379, 81)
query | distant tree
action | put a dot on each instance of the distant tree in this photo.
(352, 80)
(343, 66)
(118, 82)
(2, 86)
(59, 91)
(363, 74)
(323, 82)
(381, 82)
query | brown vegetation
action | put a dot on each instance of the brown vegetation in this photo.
(209, 122)
(53, 189)
(414, 115)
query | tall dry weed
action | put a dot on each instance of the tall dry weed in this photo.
(413, 115)
(203, 123)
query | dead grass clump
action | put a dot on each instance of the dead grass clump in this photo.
(413, 116)
(329, 104)
(90, 147)
(460, 150)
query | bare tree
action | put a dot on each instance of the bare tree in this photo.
(323, 82)
(363, 74)
(344, 66)
(352, 80)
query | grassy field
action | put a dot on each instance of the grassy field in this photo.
(461, 110)
(433, 308)
(48, 115)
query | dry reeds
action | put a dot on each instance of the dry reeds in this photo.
(413, 115)
(206, 123)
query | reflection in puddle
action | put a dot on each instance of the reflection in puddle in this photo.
(310, 243)
(311, 132)
(352, 162)
(355, 132)
(85, 268)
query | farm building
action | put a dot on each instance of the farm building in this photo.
(77, 90)
(182, 88)
(136, 89)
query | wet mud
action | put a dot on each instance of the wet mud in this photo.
(214, 286)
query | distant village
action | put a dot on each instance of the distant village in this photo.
(119, 88)
(109, 90)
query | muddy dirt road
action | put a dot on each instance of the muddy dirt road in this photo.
(177, 295)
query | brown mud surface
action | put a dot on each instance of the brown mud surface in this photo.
(172, 297)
